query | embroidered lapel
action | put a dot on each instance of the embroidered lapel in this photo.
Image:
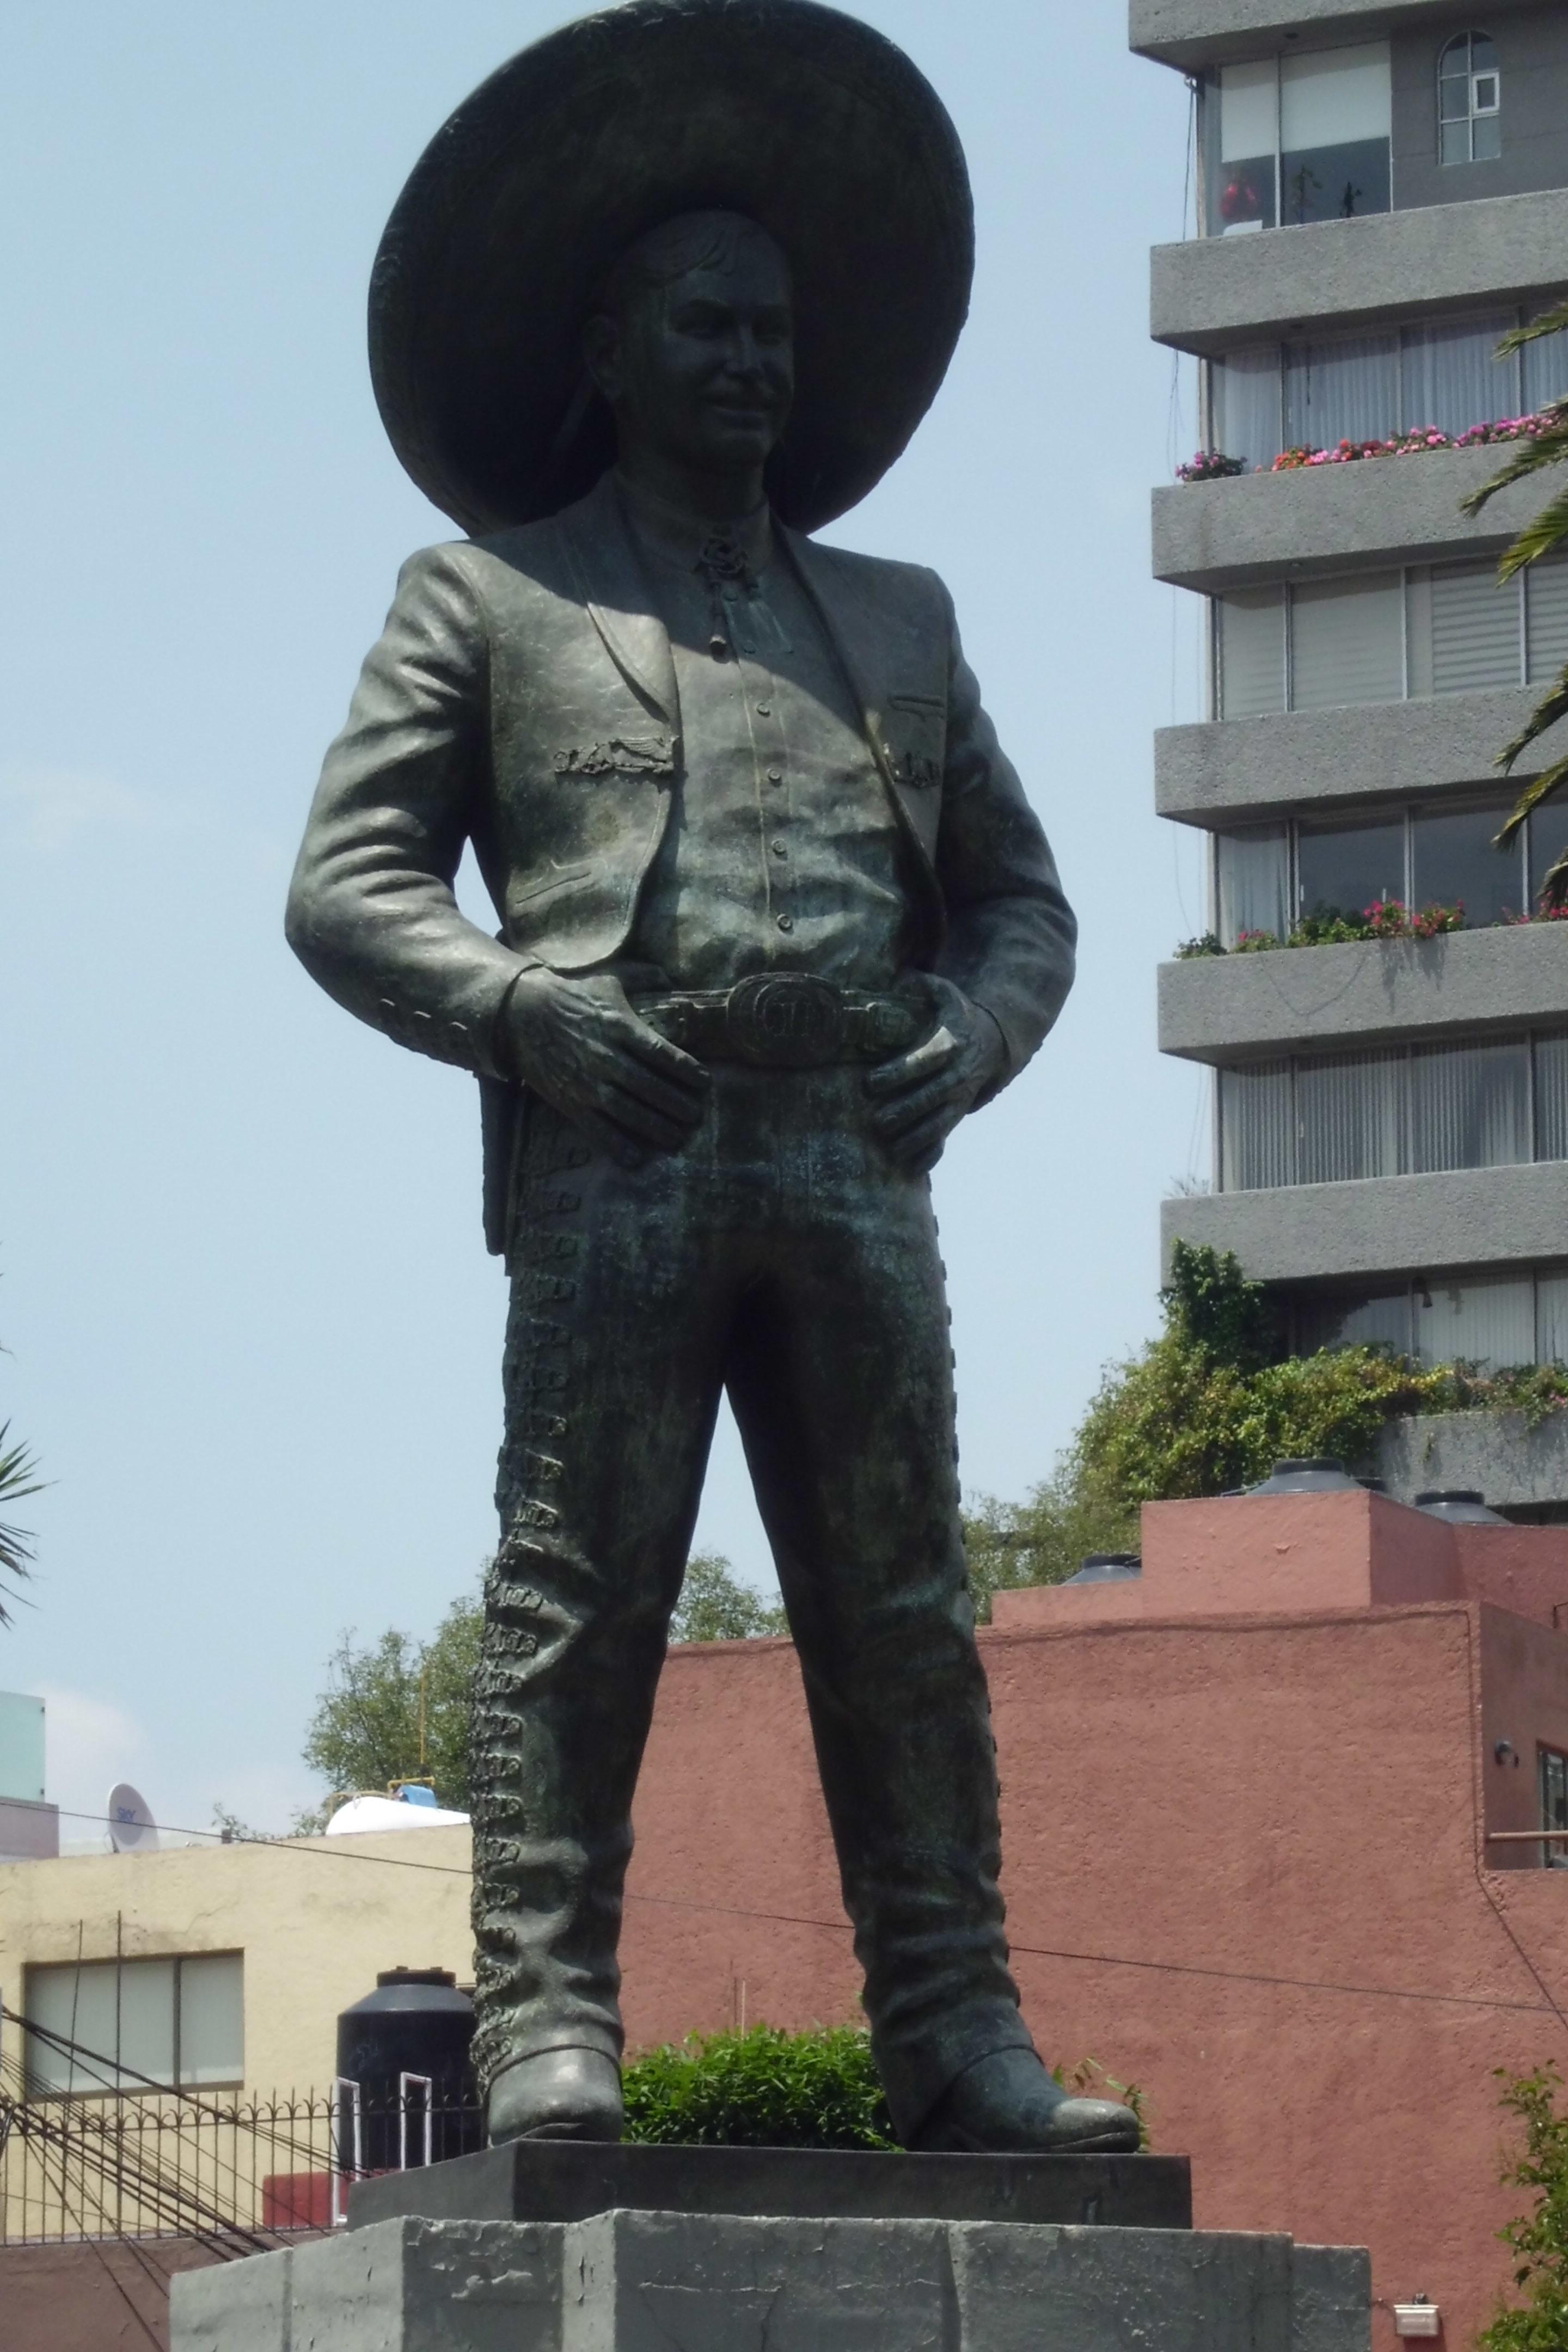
(609, 579)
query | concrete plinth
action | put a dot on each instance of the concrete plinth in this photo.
(652, 2282)
(566, 2180)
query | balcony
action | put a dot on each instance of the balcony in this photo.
(1300, 1000)
(1190, 34)
(1219, 771)
(1477, 1217)
(1213, 293)
(1376, 513)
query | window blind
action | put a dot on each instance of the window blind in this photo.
(1257, 1133)
(1347, 642)
(1552, 1319)
(1482, 1322)
(1474, 629)
(1251, 653)
(1546, 619)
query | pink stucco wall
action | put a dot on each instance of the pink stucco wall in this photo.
(1246, 1861)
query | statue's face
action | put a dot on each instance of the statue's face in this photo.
(701, 371)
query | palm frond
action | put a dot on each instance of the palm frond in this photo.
(1550, 322)
(1554, 886)
(1540, 537)
(1553, 706)
(1540, 788)
(1547, 449)
(17, 1550)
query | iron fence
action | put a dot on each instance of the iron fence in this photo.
(233, 2173)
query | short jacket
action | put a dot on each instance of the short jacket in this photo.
(522, 696)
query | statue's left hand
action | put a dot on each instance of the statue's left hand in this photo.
(920, 1097)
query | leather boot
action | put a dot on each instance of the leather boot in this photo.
(558, 2094)
(1008, 2105)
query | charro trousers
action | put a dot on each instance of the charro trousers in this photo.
(781, 1256)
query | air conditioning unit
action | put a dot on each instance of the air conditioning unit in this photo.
(1418, 2319)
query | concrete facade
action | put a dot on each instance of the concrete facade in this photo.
(1465, 1219)
(1461, 239)
(1366, 992)
(1242, 771)
(1192, 34)
(1322, 520)
(1214, 294)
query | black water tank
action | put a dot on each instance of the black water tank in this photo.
(414, 2022)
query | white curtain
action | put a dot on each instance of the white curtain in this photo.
(1254, 882)
(1451, 379)
(1469, 1106)
(1350, 1117)
(1257, 1136)
(1244, 390)
(1346, 389)
(1551, 1097)
(1552, 1319)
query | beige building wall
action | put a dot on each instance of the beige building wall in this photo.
(315, 1919)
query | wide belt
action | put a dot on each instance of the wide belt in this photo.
(784, 1021)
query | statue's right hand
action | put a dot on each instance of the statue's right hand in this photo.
(580, 1044)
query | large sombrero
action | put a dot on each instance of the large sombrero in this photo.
(497, 249)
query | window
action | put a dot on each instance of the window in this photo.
(1267, 875)
(1316, 391)
(1365, 637)
(1496, 1319)
(1347, 641)
(1470, 102)
(1552, 1772)
(1297, 139)
(137, 2024)
(1334, 120)
(1344, 868)
(1400, 1111)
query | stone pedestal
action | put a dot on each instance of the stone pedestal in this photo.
(664, 2282)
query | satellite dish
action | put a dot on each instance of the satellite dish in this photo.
(132, 1829)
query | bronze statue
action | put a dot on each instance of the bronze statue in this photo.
(670, 291)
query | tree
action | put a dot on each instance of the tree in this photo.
(1548, 446)
(398, 1709)
(715, 1606)
(1538, 2239)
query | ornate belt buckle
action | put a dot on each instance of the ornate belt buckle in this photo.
(786, 1020)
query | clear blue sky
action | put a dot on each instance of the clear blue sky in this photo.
(252, 1329)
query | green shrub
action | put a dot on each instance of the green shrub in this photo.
(763, 2088)
(766, 2088)
(1538, 2239)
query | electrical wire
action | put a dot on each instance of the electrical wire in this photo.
(1546, 2008)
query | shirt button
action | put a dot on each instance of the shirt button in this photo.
(764, 709)
(786, 923)
(775, 775)
(778, 849)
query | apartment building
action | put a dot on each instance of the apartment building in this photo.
(1382, 193)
